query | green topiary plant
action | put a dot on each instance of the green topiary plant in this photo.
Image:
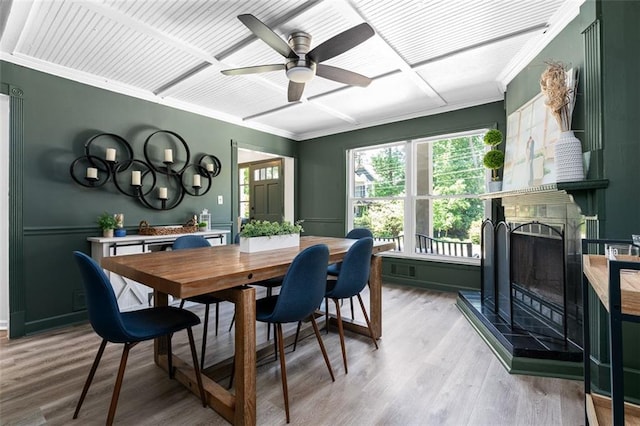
(493, 138)
(264, 228)
(493, 159)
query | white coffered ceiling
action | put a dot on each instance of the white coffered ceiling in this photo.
(426, 56)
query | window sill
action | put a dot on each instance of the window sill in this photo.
(474, 261)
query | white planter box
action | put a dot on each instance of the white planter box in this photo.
(274, 242)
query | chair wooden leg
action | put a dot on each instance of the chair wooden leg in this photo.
(205, 331)
(351, 303)
(232, 321)
(169, 357)
(217, 316)
(326, 315)
(194, 356)
(322, 348)
(295, 341)
(283, 368)
(366, 318)
(181, 303)
(341, 332)
(275, 344)
(118, 385)
(92, 373)
(269, 293)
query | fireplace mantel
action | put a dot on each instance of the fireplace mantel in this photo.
(568, 187)
(583, 192)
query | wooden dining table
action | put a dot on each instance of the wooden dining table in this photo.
(229, 273)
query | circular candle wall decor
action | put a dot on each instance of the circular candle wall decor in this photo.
(154, 182)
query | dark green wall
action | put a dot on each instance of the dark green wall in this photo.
(621, 152)
(620, 39)
(57, 215)
(615, 153)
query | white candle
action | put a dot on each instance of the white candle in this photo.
(209, 167)
(196, 181)
(162, 193)
(135, 177)
(92, 173)
(168, 156)
(111, 154)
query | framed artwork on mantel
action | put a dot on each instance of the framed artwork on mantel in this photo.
(529, 146)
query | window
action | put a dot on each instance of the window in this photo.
(243, 180)
(426, 188)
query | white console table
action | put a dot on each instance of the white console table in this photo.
(131, 294)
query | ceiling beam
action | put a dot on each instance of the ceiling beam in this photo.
(349, 9)
(15, 18)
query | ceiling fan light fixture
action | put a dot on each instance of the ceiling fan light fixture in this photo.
(301, 71)
(300, 74)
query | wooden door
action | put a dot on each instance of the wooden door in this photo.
(266, 193)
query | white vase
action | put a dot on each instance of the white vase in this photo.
(274, 242)
(568, 158)
(107, 233)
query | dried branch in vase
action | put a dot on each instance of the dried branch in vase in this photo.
(560, 93)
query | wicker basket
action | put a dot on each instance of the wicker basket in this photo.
(187, 228)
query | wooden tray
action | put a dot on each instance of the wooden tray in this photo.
(145, 229)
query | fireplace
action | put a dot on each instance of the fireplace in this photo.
(524, 279)
(530, 302)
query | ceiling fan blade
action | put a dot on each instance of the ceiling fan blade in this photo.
(295, 91)
(340, 43)
(253, 70)
(267, 35)
(342, 76)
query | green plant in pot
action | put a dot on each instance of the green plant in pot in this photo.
(202, 226)
(494, 158)
(264, 228)
(107, 222)
(261, 235)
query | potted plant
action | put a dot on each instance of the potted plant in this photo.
(494, 158)
(261, 235)
(107, 222)
(202, 226)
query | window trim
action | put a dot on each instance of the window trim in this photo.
(410, 196)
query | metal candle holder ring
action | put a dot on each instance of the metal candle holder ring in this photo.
(209, 166)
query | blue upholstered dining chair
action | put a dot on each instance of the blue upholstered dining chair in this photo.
(334, 268)
(353, 277)
(129, 328)
(303, 288)
(354, 234)
(197, 241)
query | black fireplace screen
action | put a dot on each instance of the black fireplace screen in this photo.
(524, 277)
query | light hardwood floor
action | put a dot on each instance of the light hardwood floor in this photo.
(431, 369)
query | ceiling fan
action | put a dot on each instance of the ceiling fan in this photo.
(301, 63)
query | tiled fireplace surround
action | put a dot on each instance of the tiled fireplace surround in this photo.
(519, 350)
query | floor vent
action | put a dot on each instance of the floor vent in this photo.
(403, 270)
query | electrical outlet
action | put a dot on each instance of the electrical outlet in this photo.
(219, 199)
